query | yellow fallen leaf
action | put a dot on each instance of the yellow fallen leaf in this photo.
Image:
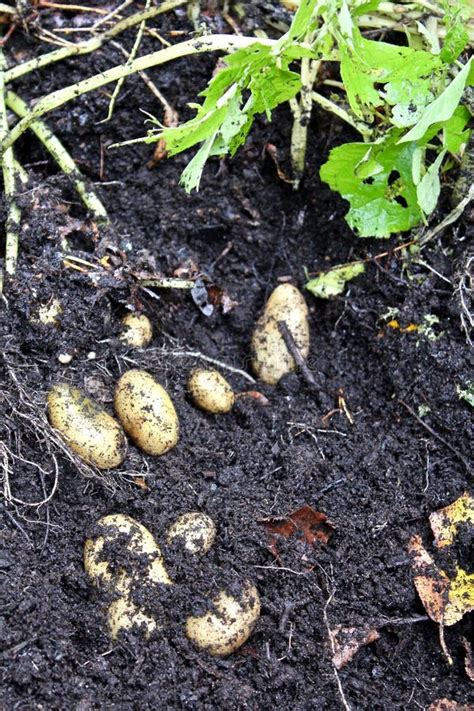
(446, 601)
(445, 522)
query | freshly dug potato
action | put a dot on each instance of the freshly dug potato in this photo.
(48, 314)
(210, 391)
(196, 530)
(139, 542)
(89, 431)
(124, 614)
(146, 412)
(222, 632)
(137, 331)
(271, 359)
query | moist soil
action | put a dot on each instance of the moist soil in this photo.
(377, 445)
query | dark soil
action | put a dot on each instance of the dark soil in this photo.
(377, 478)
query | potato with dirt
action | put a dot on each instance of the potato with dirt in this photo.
(271, 359)
(88, 430)
(137, 330)
(145, 565)
(195, 530)
(146, 412)
(210, 391)
(223, 630)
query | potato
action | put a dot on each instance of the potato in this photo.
(146, 412)
(222, 632)
(210, 391)
(48, 314)
(270, 357)
(137, 331)
(139, 542)
(123, 613)
(89, 431)
(196, 530)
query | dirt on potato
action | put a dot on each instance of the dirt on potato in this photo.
(380, 443)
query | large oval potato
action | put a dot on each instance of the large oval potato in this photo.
(196, 530)
(210, 391)
(89, 431)
(139, 541)
(271, 359)
(222, 632)
(146, 412)
(137, 331)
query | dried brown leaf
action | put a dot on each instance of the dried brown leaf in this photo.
(346, 642)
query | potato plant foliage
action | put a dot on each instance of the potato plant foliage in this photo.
(407, 98)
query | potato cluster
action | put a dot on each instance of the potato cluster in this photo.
(144, 410)
(219, 632)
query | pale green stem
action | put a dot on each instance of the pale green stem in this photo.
(302, 116)
(11, 175)
(199, 45)
(62, 158)
(328, 105)
(91, 45)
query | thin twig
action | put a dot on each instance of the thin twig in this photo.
(295, 352)
(432, 432)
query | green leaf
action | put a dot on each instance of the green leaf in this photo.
(429, 187)
(371, 63)
(442, 108)
(385, 200)
(466, 393)
(191, 175)
(455, 133)
(408, 98)
(332, 283)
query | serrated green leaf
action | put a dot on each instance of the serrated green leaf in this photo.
(442, 108)
(455, 42)
(383, 202)
(333, 282)
(191, 175)
(408, 97)
(429, 187)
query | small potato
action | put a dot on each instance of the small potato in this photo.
(89, 431)
(210, 391)
(196, 530)
(48, 314)
(270, 357)
(222, 632)
(139, 541)
(137, 331)
(146, 412)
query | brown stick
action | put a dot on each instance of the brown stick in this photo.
(295, 352)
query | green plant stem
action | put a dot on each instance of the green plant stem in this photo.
(302, 116)
(329, 105)
(11, 175)
(91, 45)
(213, 43)
(62, 158)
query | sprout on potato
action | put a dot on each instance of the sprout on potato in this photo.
(271, 359)
(123, 613)
(222, 631)
(89, 431)
(146, 412)
(196, 530)
(210, 391)
(137, 331)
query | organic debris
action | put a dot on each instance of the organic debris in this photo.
(444, 523)
(309, 525)
(468, 660)
(333, 282)
(346, 642)
(448, 705)
(446, 600)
